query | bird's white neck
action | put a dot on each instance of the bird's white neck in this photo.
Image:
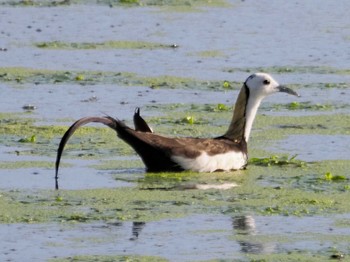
(251, 110)
(243, 117)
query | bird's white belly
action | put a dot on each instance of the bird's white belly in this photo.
(206, 163)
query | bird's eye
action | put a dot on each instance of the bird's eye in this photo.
(266, 82)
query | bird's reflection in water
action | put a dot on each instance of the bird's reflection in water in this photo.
(136, 229)
(245, 225)
(250, 240)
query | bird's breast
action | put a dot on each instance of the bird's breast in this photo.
(209, 163)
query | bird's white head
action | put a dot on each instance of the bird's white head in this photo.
(258, 86)
(261, 85)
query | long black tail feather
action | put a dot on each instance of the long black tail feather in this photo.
(108, 121)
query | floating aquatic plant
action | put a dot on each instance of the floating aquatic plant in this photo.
(129, 2)
(80, 77)
(308, 105)
(336, 85)
(226, 84)
(188, 120)
(333, 178)
(31, 139)
(277, 161)
(217, 108)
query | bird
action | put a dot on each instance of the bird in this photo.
(174, 154)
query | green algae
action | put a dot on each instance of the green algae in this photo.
(292, 69)
(102, 45)
(99, 204)
(210, 54)
(333, 124)
(30, 3)
(308, 179)
(96, 258)
(309, 106)
(92, 141)
(25, 164)
(283, 186)
(159, 197)
(271, 190)
(277, 161)
(181, 107)
(185, 5)
(299, 255)
(22, 75)
(336, 85)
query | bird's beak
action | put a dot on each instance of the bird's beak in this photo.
(287, 90)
